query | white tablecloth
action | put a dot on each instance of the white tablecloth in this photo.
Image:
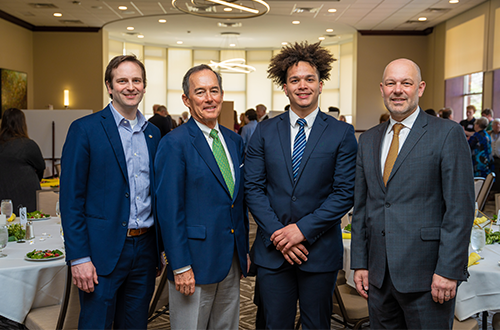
(29, 284)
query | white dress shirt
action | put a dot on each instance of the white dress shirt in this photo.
(403, 134)
(294, 127)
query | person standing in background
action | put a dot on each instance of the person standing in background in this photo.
(261, 112)
(161, 121)
(468, 123)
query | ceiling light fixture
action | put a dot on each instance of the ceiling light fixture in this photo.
(140, 36)
(322, 38)
(162, 21)
(228, 9)
(296, 22)
(130, 28)
(210, 9)
(332, 10)
(284, 43)
(234, 65)
(122, 7)
(232, 45)
(422, 19)
(453, 1)
(180, 42)
(57, 14)
(329, 30)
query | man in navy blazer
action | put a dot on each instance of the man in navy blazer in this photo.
(298, 207)
(201, 210)
(107, 200)
(412, 215)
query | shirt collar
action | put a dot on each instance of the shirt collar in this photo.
(206, 130)
(119, 119)
(407, 122)
(309, 118)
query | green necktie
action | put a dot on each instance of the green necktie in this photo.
(221, 158)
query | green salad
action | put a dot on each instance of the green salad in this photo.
(44, 254)
(37, 215)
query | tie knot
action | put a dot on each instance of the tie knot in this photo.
(301, 122)
(397, 128)
(213, 134)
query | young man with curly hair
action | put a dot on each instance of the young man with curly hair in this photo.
(299, 182)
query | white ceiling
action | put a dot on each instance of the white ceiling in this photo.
(263, 32)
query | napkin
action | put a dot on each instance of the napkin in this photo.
(473, 258)
(346, 235)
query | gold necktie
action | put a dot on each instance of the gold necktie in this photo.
(393, 152)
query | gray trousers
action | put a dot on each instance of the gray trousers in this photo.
(212, 306)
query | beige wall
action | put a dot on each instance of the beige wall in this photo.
(373, 54)
(17, 52)
(68, 60)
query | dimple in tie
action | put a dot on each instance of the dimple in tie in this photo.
(393, 152)
(299, 144)
(221, 158)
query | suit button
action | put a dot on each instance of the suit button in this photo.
(232, 205)
(126, 195)
(294, 198)
(387, 205)
(124, 224)
(232, 231)
(383, 232)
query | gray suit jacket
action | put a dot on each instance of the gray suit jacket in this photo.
(420, 223)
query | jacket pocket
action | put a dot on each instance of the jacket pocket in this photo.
(197, 232)
(430, 233)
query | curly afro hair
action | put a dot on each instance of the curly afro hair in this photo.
(317, 56)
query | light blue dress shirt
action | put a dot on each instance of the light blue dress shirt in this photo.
(247, 132)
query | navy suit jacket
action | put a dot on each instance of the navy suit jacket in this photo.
(94, 195)
(201, 224)
(316, 202)
(420, 223)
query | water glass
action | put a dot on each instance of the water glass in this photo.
(4, 238)
(58, 213)
(6, 207)
(477, 239)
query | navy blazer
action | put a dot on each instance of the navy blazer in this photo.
(94, 194)
(316, 202)
(420, 223)
(201, 224)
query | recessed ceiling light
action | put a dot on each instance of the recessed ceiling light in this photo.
(57, 14)
(421, 19)
(332, 10)
(232, 45)
(453, 1)
(140, 36)
(228, 9)
(295, 22)
(122, 7)
(130, 28)
(329, 30)
(162, 20)
(284, 43)
(179, 42)
(321, 38)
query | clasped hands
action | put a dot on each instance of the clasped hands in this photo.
(289, 240)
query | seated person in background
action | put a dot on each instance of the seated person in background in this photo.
(21, 162)
(446, 113)
(250, 124)
(488, 113)
(468, 123)
(480, 147)
(431, 112)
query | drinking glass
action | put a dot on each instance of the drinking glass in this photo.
(6, 207)
(4, 237)
(477, 239)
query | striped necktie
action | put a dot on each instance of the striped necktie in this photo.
(221, 158)
(299, 145)
(393, 152)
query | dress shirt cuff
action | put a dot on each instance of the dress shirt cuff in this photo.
(78, 261)
(182, 270)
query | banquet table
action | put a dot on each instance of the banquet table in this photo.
(31, 284)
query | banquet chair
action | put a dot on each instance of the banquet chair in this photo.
(159, 302)
(467, 324)
(478, 184)
(63, 316)
(46, 201)
(485, 191)
(348, 304)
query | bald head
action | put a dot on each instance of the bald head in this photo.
(404, 62)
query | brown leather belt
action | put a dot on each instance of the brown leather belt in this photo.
(137, 232)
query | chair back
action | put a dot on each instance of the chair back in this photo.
(160, 296)
(478, 184)
(70, 307)
(485, 191)
(46, 201)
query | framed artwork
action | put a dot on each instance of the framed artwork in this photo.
(13, 90)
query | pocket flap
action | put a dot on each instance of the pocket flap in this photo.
(197, 232)
(430, 233)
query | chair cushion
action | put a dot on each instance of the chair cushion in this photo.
(355, 305)
(43, 318)
(467, 324)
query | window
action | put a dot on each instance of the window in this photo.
(473, 92)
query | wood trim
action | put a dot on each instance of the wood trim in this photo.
(15, 20)
(395, 32)
(31, 27)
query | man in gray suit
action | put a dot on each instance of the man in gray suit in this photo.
(413, 210)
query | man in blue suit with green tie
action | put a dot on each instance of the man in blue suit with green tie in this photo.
(202, 215)
(107, 204)
(299, 182)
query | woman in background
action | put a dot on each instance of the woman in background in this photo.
(21, 162)
(480, 147)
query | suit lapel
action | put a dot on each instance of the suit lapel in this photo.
(109, 124)
(416, 133)
(317, 130)
(200, 143)
(151, 147)
(377, 150)
(284, 136)
(233, 152)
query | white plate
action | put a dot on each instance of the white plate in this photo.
(33, 219)
(48, 259)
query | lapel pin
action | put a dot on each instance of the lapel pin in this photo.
(150, 136)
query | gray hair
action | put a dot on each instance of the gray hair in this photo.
(201, 67)
(482, 122)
